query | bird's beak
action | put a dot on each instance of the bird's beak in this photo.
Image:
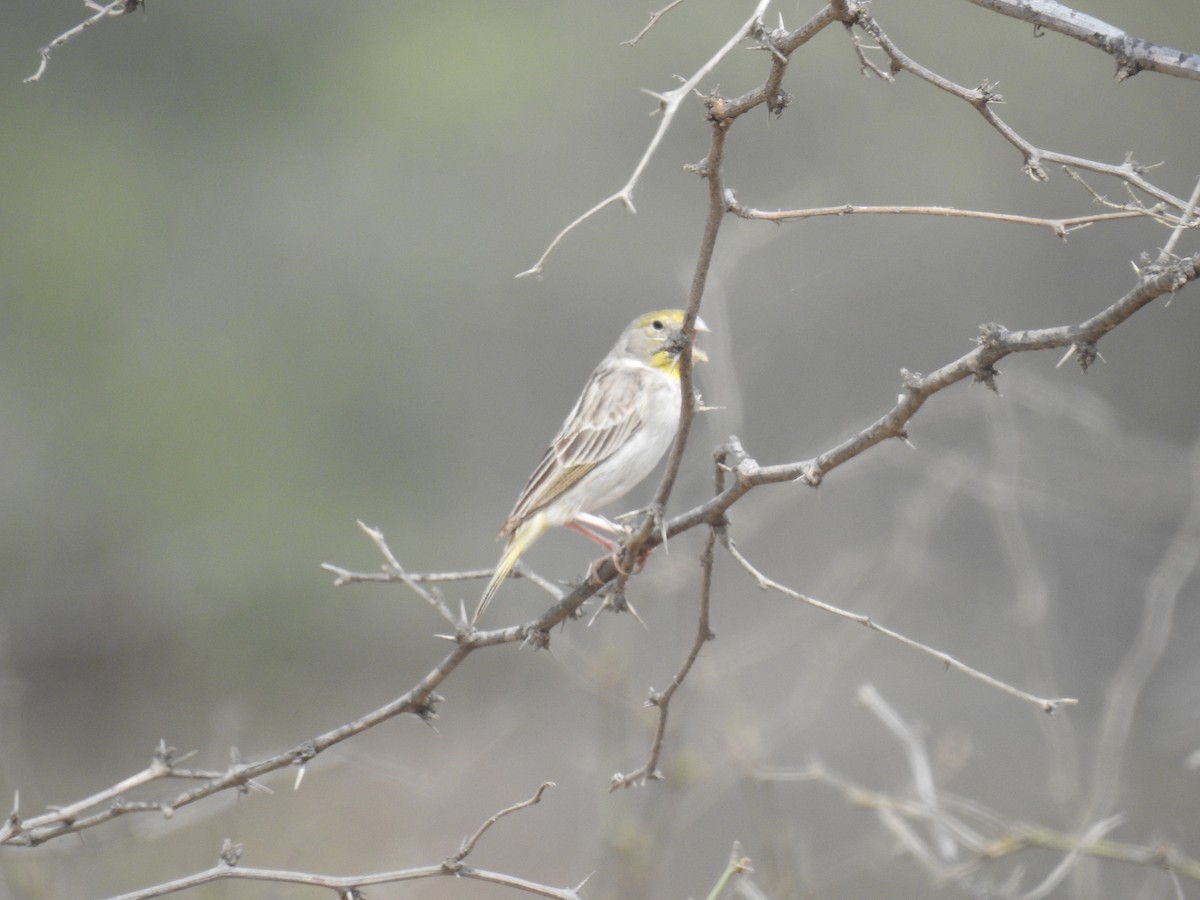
(699, 355)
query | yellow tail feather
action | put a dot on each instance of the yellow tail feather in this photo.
(518, 542)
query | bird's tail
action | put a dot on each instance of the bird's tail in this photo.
(527, 532)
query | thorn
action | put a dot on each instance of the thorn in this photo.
(231, 853)
(633, 612)
(299, 777)
(663, 100)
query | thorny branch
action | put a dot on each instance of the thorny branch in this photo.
(1133, 54)
(957, 824)
(469, 843)
(115, 8)
(1047, 704)
(669, 104)
(1060, 227)
(421, 699)
(1178, 566)
(661, 700)
(782, 43)
(985, 97)
(228, 869)
(1163, 277)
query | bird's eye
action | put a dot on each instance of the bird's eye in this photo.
(657, 325)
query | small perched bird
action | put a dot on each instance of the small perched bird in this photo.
(618, 430)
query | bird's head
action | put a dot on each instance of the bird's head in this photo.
(658, 338)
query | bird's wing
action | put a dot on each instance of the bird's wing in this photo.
(606, 415)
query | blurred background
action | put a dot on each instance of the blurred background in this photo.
(257, 273)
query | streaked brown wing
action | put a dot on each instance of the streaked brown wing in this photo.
(605, 417)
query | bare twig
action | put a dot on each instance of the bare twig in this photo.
(1133, 54)
(710, 170)
(344, 884)
(115, 8)
(1159, 279)
(738, 864)
(1060, 227)
(1071, 858)
(918, 761)
(1046, 704)
(669, 105)
(421, 699)
(1186, 221)
(654, 17)
(987, 835)
(393, 571)
(352, 885)
(469, 843)
(662, 699)
(982, 100)
(854, 13)
(995, 343)
(103, 806)
(1031, 594)
(1177, 567)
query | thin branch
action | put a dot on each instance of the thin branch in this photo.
(982, 100)
(1133, 204)
(964, 818)
(1186, 221)
(979, 364)
(1176, 568)
(662, 699)
(710, 170)
(115, 8)
(1060, 227)
(654, 17)
(1133, 54)
(386, 575)
(469, 843)
(346, 884)
(917, 757)
(783, 43)
(393, 571)
(1071, 859)
(83, 814)
(1159, 279)
(1046, 704)
(669, 105)
(739, 864)
(995, 343)
(351, 885)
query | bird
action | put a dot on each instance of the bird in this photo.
(614, 436)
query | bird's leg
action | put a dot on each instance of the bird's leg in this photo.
(600, 522)
(614, 549)
(588, 533)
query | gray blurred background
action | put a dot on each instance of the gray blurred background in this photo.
(257, 279)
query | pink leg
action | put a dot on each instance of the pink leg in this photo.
(588, 533)
(612, 548)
